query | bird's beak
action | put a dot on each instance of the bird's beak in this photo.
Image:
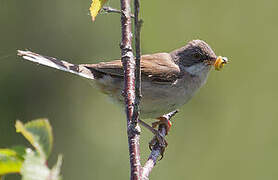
(217, 62)
(220, 62)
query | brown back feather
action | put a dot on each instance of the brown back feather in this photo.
(156, 67)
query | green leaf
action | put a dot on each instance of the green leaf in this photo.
(20, 151)
(39, 134)
(10, 161)
(35, 168)
(96, 7)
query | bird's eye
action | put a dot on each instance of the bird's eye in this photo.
(197, 55)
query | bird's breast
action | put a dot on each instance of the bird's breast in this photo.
(157, 98)
(161, 99)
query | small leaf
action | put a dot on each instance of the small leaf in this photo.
(10, 161)
(96, 7)
(20, 151)
(38, 133)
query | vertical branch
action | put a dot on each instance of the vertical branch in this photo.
(133, 129)
(137, 25)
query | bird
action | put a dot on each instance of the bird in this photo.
(169, 80)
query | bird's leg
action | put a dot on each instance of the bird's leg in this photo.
(157, 136)
(159, 139)
(165, 120)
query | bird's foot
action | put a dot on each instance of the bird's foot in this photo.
(157, 140)
(164, 124)
(160, 141)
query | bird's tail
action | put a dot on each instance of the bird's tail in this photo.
(57, 64)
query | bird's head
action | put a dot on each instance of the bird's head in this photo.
(196, 57)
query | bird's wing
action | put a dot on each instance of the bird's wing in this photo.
(156, 67)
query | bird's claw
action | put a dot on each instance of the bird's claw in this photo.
(158, 140)
(164, 124)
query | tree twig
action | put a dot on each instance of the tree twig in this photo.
(133, 129)
(108, 9)
(157, 149)
(137, 24)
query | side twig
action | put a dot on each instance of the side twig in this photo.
(108, 9)
(133, 129)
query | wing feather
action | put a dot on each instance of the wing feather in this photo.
(156, 67)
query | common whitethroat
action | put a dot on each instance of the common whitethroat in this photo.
(169, 80)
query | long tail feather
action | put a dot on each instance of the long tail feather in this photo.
(57, 64)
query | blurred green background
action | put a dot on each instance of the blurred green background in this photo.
(227, 131)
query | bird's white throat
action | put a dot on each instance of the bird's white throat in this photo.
(199, 69)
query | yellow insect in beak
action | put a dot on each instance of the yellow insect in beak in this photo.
(220, 62)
